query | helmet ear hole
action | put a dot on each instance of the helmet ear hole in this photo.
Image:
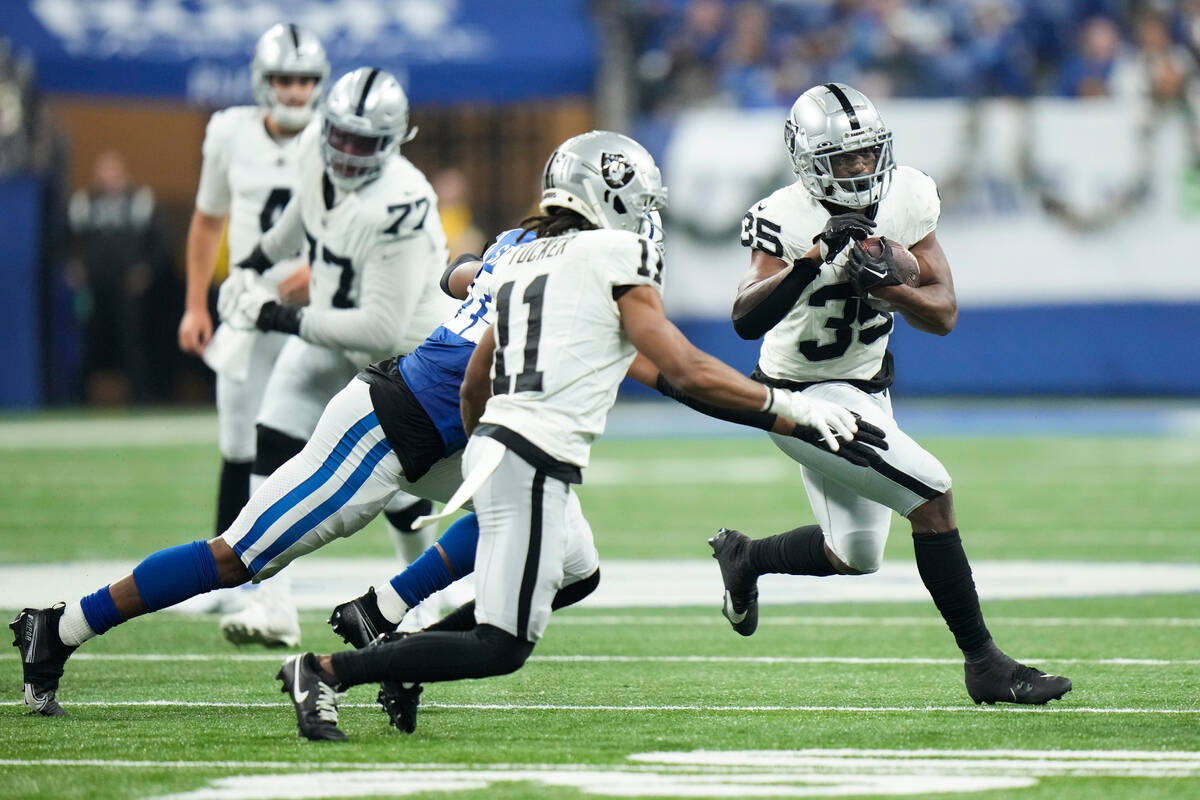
(618, 205)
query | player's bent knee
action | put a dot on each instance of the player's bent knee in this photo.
(861, 553)
(507, 653)
(230, 569)
(274, 449)
(572, 593)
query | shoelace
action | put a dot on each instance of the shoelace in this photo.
(326, 704)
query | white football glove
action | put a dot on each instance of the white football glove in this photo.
(248, 304)
(227, 295)
(829, 419)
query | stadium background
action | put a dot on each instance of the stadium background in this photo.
(1063, 136)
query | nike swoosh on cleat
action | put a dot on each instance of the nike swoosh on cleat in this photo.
(298, 696)
(733, 616)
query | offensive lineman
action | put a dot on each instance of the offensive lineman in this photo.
(824, 314)
(369, 221)
(573, 308)
(248, 176)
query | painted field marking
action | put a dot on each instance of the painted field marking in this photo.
(604, 659)
(640, 708)
(835, 621)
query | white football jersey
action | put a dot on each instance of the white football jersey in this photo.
(560, 349)
(246, 174)
(830, 334)
(378, 251)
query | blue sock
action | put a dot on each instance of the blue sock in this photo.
(173, 575)
(100, 611)
(448, 559)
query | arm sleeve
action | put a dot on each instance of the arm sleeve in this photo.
(286, 237)
(775, 306)
(213, 194)
(393, 280)
(754, 419)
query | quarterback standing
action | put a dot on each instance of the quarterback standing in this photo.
(823, 304)
(247, 178)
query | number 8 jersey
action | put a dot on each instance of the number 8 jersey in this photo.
(560, 349)
(830, 334)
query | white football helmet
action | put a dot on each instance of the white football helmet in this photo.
(607, 178)
(288, 50)
(365, 121)
(828, 121)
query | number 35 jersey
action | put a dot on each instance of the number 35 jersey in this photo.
(560, 349)
(830, 334)
(246, 174)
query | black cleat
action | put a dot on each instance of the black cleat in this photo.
(43, 655)
(315, 700)
(740, 578)
(399, 700)
(1000, 679)
(357, 626)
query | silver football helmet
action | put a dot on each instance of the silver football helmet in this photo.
(607, 178)
(826, 123)
(288, 50)
(365, 121)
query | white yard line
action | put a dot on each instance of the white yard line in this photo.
(640, 708)
(622, 659)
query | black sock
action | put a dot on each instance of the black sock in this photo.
(425, 657)
(232, 492)
(795, 552)
(947, 575)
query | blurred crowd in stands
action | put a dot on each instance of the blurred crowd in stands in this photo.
(764, 53)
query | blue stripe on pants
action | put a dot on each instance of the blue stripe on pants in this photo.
(326, 509)
(326, 471)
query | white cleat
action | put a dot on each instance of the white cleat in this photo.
(268, 621)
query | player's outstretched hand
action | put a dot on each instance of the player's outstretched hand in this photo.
(829, 420)
(862, 450)
(839, 230)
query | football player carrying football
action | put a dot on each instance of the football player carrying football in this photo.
(822, 304)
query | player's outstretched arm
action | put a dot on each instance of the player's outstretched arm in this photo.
(712, 381)
(203, 239)
(477, 382)
(932, 306)
(457, 278)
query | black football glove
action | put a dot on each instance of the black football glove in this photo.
(870, 272)
(862, 450)
(276, 317)
(839, 230)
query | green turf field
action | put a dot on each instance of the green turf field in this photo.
(825, 700)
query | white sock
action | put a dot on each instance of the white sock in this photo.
(73, 626)
(390, 604)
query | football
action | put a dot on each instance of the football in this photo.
(906, 262)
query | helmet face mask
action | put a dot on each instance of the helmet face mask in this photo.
(287, 51)
(607, 178)
(829, 128)
(365, 120)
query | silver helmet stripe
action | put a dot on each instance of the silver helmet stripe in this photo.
(362, 100)
(837, 92)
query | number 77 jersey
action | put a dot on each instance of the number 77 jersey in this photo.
(830, 333)
(560, 349)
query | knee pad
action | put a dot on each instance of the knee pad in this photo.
(403, 520)
(863, 551)
(574, 592)
(274, 448)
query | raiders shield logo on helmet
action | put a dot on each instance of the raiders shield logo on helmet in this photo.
(616, 170)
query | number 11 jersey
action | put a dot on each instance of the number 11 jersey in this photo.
(560, 349)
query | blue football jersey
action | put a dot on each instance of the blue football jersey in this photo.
(434, 371)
